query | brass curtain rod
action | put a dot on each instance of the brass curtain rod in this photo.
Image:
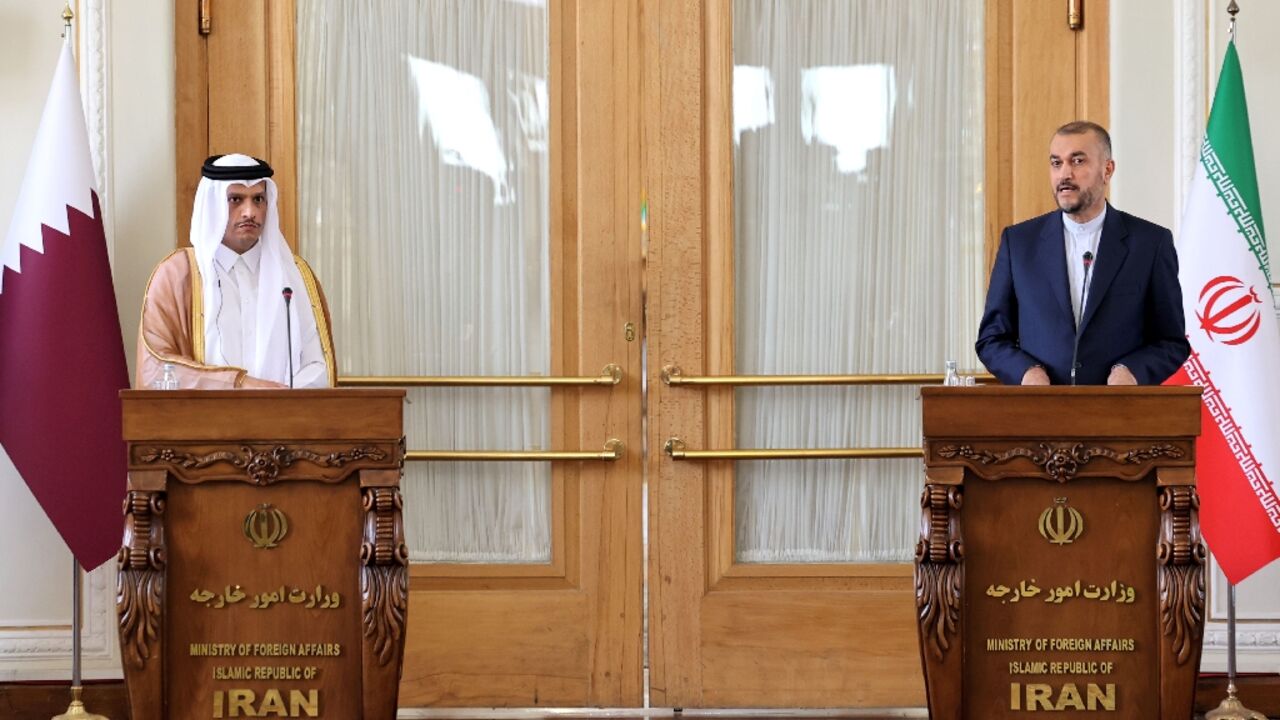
(675, 447)
(672, 375)
(613, 449)
(610, 375)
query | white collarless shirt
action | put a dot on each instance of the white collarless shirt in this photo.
(1078, 239)
(233, 339)
(236, 319)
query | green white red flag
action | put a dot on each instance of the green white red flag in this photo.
(1235, 339)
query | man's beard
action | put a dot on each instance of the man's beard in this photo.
(1084, 199)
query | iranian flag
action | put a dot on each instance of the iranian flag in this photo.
(1235, 340)
(61, 357)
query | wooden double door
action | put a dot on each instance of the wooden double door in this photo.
(642, 571)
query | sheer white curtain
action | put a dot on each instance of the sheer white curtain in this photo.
(423, 194)
(858, 234)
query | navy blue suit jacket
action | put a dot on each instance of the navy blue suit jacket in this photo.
(1133, 313)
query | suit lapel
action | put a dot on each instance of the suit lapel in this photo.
(1113, 246)
(1052, 254)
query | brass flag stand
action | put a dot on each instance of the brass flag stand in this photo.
(76, 710)
(1231, 708)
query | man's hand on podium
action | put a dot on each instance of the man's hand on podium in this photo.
(1120, 375)
(1035, 375)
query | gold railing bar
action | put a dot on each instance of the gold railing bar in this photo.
(613, 450)
(675, 447)
(610, 375)
(672, 375)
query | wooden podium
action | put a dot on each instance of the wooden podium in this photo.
(1059, 566)
(263, 571)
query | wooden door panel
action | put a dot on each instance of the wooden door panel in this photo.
(567, 633)
(812, 647)
(721, 634)
(476, 648)
(729, 634)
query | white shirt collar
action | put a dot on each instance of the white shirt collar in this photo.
(226, 258)
(1087, 228)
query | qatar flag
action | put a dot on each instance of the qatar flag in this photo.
(62, 360)
(1225, 273)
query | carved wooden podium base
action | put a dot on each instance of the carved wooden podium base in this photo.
(263, 570)
(1059, 566)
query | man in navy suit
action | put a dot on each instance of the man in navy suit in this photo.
(1086, 294)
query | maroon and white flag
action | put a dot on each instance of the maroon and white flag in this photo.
(62, 360)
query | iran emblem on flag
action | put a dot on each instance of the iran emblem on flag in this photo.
(1235, 340)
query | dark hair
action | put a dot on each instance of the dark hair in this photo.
(1080, 127)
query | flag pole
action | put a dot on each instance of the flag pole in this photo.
(1231, 708)
(76, 709)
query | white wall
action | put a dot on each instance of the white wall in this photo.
(126, 67)
(1165, 58)
(1141, 102)
(28, 52)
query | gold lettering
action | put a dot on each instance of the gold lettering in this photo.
(238, 700)
(235, 672)
(210, 649)
(1097, 697)
(240, 703)
(1077, 644)
(1008, 644)
(1039, 694)
(1069, 698)
(272, 704)
(310, 703)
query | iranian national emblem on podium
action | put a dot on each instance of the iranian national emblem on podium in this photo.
(263, 571)
(265, 526)
(1061, 524)
(1059, 567)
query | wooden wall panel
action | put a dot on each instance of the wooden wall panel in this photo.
(235, 93)
(1040, 74)
(238, 78)
(191, 108)
(1044, 84)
